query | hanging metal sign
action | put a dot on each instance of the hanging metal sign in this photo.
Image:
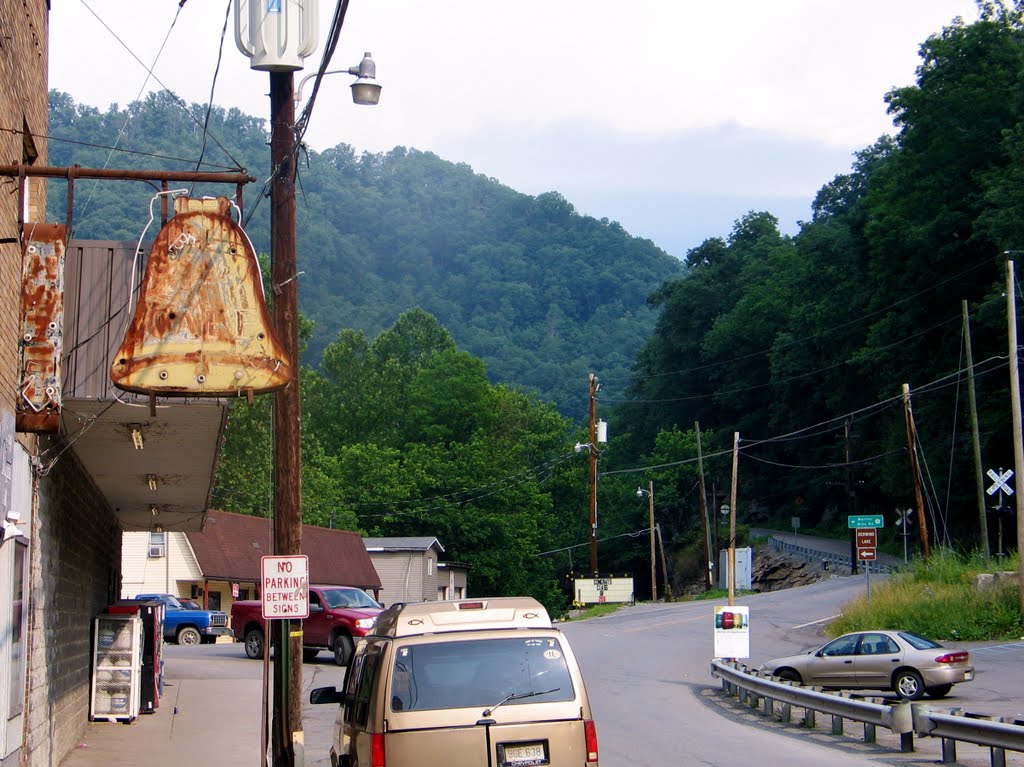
(201, 326)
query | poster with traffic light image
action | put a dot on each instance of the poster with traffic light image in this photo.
(732, 632)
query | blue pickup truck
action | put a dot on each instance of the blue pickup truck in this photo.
(186, 626)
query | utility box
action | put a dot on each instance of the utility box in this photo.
(744, 568)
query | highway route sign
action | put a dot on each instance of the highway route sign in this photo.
(865, 520)
(999, 482)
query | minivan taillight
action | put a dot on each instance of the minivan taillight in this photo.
(377, 749)
(954, 657)
(590, 732)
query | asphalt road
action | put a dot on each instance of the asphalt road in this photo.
(655, 702)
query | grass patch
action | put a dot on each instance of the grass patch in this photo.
(937, 598)
(594, 611)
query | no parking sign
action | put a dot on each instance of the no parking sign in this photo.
(284, 585)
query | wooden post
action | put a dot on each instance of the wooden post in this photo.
(915, 469)
(287, 706)
(732, 518)
(654, 569)
(979, 479)
(667, 591)
(704, 510)
(593, 474)
(1018, 447)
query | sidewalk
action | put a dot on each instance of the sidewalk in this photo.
(206, 721)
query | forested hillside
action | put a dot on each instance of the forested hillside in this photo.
(802, 345)
(542, 294)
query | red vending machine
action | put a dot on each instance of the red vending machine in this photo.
(152, 615)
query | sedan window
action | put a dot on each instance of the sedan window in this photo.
(918, 642)
(877, 644)
(842, 646)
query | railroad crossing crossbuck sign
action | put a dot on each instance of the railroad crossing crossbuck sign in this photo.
(999, 482)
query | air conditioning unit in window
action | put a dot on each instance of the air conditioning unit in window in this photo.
(156, 551)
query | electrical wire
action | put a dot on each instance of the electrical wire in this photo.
(213, 86)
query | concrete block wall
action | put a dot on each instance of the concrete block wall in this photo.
(75, 573)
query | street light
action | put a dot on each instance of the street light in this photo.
(640, 493)
(365, 90)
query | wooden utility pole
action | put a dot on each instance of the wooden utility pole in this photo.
(593, 473)
(286, 731)
(704, 510)
(850, 499)
(650, 514)
(979, 479)
(732, 518)
(666, 591)
(1018, 443)
(915, 469)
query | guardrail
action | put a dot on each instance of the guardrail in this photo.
(816, 555)
(902, 719)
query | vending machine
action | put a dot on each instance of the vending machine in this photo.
(152, 681)
(116, 668)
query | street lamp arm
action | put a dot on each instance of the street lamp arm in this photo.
(307, 78)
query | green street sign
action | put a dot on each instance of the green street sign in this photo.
(865, 520)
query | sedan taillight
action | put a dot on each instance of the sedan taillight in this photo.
(590, 732)
(954, 657)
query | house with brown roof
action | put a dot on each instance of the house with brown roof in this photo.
(221, 563)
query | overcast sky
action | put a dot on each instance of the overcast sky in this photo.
(673, 117)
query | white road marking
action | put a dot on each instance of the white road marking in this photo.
(820, 620)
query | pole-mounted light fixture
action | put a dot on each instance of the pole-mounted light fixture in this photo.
(365, 90)
(135, 430)
(581, 446)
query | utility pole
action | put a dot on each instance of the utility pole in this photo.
(286, 731)
(849, 499)
(704, 510)
(915, 470)
(732, 518)
(593, 473)
(1018, 443)
(654, 571)
(979, 479)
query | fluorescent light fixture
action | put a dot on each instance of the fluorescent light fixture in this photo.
(136, 432)
(151, 481)
(158, 528)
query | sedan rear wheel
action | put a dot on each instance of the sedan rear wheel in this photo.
(908, 684)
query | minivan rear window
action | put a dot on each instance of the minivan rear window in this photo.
(479, 673)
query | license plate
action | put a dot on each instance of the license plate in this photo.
(968, 676)
(523, 754)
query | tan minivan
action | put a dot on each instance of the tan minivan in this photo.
(469, 683)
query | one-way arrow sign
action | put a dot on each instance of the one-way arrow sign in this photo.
(999, 482)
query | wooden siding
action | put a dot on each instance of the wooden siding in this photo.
(406, 576)
(171, 574)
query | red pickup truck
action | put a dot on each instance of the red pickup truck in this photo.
(338, 615)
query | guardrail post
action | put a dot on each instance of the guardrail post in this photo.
(837, 725)
(998, 757)
(809, 718)
(786, 713)
(869, 732)
(769, 707)
(907, 742)
(948, 750)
